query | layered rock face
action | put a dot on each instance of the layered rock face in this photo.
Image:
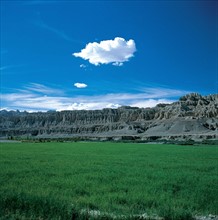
(193, 115)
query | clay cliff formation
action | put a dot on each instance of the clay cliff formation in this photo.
(193, 116)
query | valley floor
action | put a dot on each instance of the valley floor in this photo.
(74, 180)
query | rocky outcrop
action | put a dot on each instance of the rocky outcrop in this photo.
(193, 116)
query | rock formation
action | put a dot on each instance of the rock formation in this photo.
(193, 116)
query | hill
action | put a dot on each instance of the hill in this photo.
(192, 117)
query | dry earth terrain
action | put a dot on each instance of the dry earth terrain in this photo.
(192, 117)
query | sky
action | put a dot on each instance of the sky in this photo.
(73, 55)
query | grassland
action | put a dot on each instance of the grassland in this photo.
(58, 180)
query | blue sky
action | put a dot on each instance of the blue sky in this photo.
(63, 55)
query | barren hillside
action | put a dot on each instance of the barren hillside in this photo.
(193, 116)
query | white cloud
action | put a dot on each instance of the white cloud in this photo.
(37, 97)
(89, 106)
(30, 101)
(158, 92)
(114, 51)
(82, 66)
(36, 87)
(112, 105)
(150, 103)
(80, 85)
(117, 64)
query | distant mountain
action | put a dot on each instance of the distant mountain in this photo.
(192, 117)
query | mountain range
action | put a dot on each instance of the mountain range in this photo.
(192, 117)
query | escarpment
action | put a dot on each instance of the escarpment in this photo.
(192, 115)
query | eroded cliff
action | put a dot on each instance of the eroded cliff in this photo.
(193, 116)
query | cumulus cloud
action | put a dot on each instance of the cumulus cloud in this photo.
(80, 85)
(115, 51)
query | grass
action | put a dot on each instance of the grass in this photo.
(58, 180)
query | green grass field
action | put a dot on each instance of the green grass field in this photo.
(59, 180)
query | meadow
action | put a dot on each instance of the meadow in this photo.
(73, 180)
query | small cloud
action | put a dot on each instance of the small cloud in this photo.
(117, 64)
(80, 85)
(115, 51)
(82, 66)
(112, 105)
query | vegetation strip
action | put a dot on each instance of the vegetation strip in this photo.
(45, 179)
